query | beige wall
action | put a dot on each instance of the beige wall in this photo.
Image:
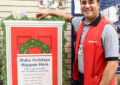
(32, 7)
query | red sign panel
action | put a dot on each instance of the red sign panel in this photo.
(34, 40)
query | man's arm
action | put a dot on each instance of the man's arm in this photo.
(109, 72)
(42, 15)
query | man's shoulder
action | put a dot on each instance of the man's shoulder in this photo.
(110, 28)
(76, 20)
(109, 31)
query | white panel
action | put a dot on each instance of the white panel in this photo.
(23, 3)
(19, 3)
(31, 9)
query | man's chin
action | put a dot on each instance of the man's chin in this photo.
(88, 16)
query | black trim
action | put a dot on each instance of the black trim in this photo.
(95, 22)
(71, 19)
(112, 58)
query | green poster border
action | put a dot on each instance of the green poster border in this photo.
(3, 55)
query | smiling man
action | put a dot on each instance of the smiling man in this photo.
(96, 48)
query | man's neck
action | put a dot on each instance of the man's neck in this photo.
(90, 20)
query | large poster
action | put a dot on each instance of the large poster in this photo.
(31, 40)
(34, 52)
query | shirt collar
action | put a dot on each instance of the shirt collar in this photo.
(95, 22)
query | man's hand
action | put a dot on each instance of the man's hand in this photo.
(109, 72)
(42, 15)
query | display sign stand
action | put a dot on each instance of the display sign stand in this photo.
(34, 52)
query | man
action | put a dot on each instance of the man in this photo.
(96, 48)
